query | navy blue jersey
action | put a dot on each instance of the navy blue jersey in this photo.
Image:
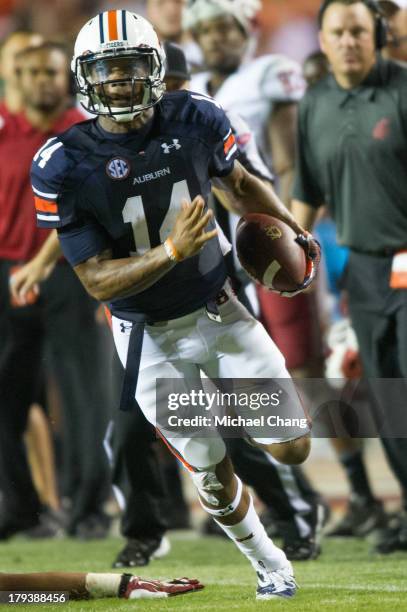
(123, 192)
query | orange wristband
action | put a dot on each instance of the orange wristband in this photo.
(172, 251)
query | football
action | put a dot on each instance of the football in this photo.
(268, 252)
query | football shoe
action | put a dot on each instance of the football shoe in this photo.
(140, 551)
(275, 583)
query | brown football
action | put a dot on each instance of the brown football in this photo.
(268, 252)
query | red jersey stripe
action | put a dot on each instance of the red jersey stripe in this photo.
(229, 144)
(188, 466)
(108, 316)
(45, 206)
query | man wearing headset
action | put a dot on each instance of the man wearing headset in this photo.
(352, 158)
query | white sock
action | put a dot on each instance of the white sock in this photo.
(252, 540)
(103, 585)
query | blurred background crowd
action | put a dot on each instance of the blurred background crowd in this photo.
(279, 22)
(62, 441)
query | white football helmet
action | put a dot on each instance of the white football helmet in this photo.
(119, 65)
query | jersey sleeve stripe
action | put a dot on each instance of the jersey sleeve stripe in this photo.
(228, 135)
(43, 194)
(206, 99)
(229, 143)
(45, 205)
(46, 217)
(231, 152)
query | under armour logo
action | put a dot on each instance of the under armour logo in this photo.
(167, 147)
(226, 510)
(125, 326)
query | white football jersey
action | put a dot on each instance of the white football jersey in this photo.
(253, 90)
(193, 55)
(250, 158)
(249, 155)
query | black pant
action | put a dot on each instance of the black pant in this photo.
(137, 476)
(57, 334)
(136, 470)
(379, 317)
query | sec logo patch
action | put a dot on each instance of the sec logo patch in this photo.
(118, 168)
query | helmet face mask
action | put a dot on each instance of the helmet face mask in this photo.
(120, 84)
(119, 79)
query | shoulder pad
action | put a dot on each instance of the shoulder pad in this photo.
(195, 110)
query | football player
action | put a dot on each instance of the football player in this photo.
(295, 513)
(263, 91)
(127, 192)
(92, 586)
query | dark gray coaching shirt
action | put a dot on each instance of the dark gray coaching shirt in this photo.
(352, 156)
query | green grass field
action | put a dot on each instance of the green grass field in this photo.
(346, 577)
